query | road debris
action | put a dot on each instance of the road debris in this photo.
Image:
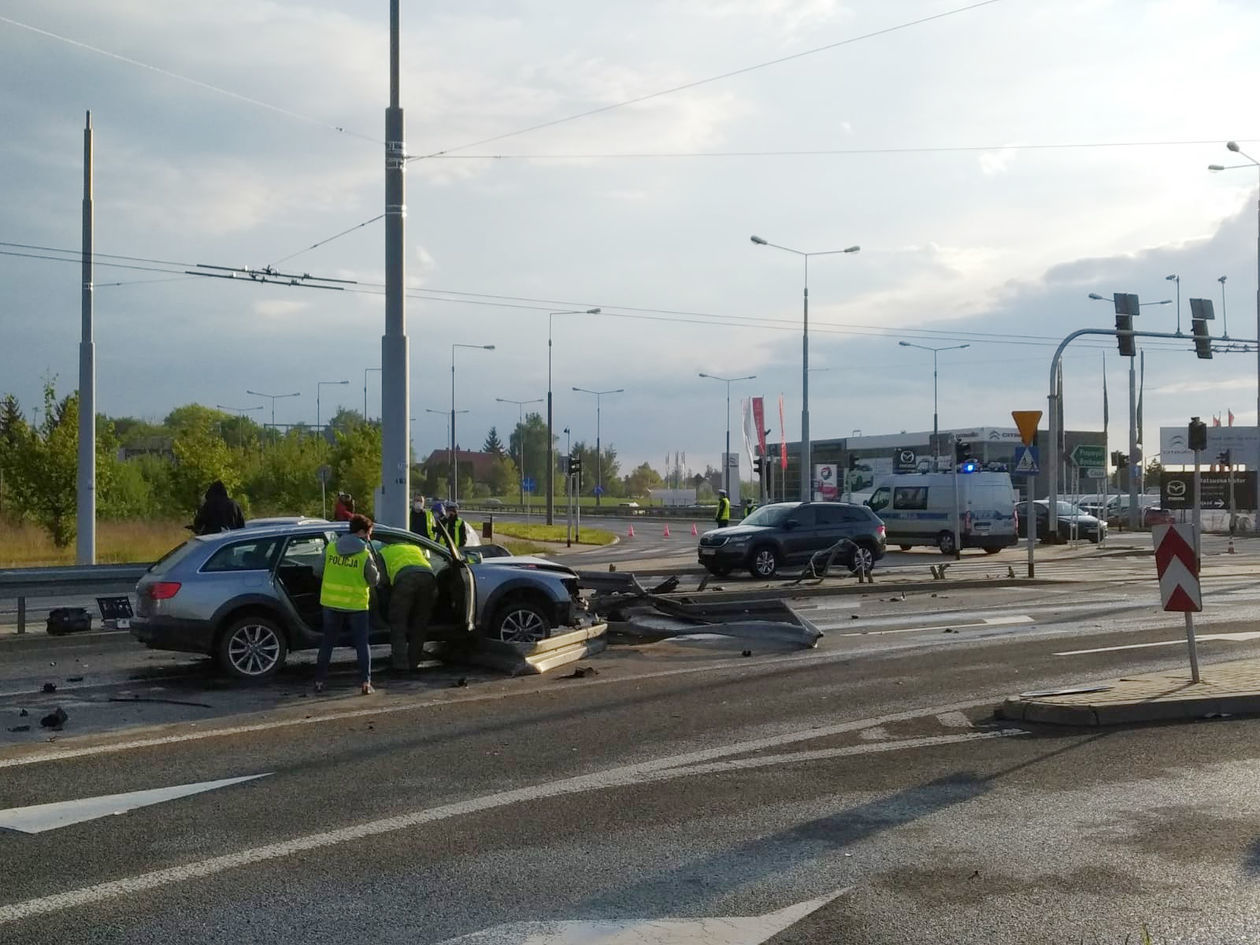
(54, 719)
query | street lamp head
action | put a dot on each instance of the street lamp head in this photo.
(905, 344)
(1232, 145)
(1096, 297)
(1216, 167)
(758, 240)
(967, 345)
(702, 374)
(593, 311)
(1173, 278)
(1221, 280)
(853, 249)
(488, 347)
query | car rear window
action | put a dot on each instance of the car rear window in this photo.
(173, 557)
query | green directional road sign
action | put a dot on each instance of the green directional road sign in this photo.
(1086, 456)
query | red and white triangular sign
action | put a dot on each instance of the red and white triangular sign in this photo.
(1178, 567)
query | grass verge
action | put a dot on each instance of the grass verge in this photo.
(554, 533)
(24, 545)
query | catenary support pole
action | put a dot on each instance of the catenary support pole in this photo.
(395, 357)
(85, 485)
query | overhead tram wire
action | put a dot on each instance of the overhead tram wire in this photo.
(715, 78)
(335, 236)
(709, 319)
(191, 81)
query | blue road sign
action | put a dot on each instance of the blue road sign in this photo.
(1026, 461)
(528, 484)
(598, 490)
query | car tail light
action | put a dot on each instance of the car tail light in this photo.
(163, 590)
(881, 531)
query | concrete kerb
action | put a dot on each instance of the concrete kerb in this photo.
(1231, 688)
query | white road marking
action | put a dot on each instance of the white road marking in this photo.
(1242, 637)
(954, 720)
(985, 622)
(41, 817)
(735, 930)
(661, 769)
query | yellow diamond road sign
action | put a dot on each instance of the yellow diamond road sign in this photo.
(1027, 420)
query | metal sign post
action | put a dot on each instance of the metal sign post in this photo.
(1026, 421)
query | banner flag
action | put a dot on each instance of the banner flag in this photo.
(759, 418)
(782, 437)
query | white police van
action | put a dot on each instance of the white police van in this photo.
(922, 509)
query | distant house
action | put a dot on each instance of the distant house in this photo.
(472, 463)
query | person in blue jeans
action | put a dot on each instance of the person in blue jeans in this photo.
(349, 573)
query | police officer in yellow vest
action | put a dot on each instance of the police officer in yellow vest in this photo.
(723, 517)
(422, 521)
(413, 590)
(349, 574)
(456, 527)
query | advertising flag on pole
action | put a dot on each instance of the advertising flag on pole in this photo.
(782, 437)
(1230, 413)
(759, 418)
(1106, 412)
(750, 435)
(1141, 391)
(1216, 420)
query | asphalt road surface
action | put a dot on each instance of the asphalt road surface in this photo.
(862, 792)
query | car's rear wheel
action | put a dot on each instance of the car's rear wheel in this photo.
(718, 570)
(863, 559)
(905, 547)
(521, 621)
(252, 648)
(991, 551)
(945, 542)
(765, 562)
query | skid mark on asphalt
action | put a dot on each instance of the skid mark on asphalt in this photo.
(687, 764)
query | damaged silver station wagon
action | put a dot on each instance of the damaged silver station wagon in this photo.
(251, 596)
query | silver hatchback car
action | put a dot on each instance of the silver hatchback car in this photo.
(249, 597)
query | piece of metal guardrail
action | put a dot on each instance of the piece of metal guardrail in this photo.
(21, 583)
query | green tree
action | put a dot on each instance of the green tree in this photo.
(283, 480)
(591, 477)
(356, 465)
(493, 444)
(504, 477)
(201, 457)
(640, 482)
(532, 435)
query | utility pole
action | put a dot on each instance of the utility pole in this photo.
(85, 545)
(395, 356)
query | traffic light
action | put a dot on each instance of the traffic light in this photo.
(1119, 460)
(1127, 306)
(1200, 314)
(962, 451)
(575, 465)
(758, 465)
(1222, 459)
(853, 462)
(1197, 435)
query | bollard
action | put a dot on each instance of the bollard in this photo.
(21, 615)
(487, 528)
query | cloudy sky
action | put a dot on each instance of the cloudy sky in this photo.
(995, 161)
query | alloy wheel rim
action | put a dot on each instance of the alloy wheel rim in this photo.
(254, 649)
(765, 562)
(523, 626)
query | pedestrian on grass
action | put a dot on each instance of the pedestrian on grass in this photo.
(413, 590)
(219, 512)
(349, 573)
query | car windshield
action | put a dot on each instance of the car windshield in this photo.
(769, 515)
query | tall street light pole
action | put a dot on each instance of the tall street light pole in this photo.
(1177, 279)
(319, 429)
(551, 450)
(936, 429)
(273, 398)
(1251, 162)
(365, 390)
(394, 505)
(806, 458)
(599, 470)
(520, 429)
(85, 476)
(1135, 461)
(726, 460)
(454, 460)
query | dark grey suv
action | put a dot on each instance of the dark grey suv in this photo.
(248, 597)
(789, 533)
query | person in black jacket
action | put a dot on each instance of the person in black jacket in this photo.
(218, 513)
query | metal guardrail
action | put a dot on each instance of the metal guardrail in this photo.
(21, 583)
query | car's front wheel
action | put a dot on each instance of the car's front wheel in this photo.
(521, 621)
(718, 570)
(945, 542)
(765, 562)
(252, 648)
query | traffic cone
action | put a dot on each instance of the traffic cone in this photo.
(1230, 549)
(666, 535)
(694, 533)
(630, 534)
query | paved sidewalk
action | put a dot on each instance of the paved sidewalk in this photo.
(1224, 689)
